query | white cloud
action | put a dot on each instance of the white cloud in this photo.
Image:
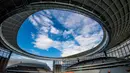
(40, 20)
(54, 30)
(86, 41)
(89, 28)
(65, 33)
(70, 51)
(33, 21)
(70, 48)
(33, 35)
(44, 29)
(48, 12)
(37, 19)
(57, 45)
(42, 42)
(35, 52)
(73, 21)
(44, 19)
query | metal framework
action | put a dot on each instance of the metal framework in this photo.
(113, 15)
(10, 27)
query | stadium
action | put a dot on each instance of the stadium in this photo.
(86, 36)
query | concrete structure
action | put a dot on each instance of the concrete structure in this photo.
(113, 15)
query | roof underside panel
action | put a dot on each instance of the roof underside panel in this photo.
(113, 13)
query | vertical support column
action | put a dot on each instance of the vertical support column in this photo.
(57, 66)
(105, 54)
(7, 60)
(53, 66)
(78, 60)
(4, 58)
(1, 64)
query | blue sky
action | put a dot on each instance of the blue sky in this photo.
(58, 33)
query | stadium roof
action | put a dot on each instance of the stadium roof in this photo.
(112, 14)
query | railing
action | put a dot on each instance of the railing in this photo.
(120, 51)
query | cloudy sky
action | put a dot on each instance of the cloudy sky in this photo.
(58, 33)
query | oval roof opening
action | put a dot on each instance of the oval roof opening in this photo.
(59, 33)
